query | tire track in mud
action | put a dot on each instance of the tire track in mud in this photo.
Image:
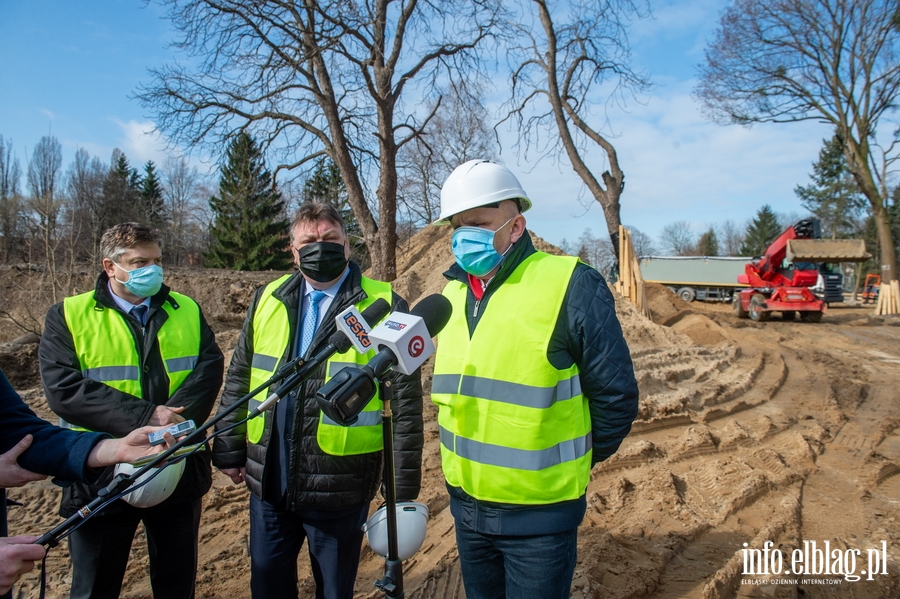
(729, 443)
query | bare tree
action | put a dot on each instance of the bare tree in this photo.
(460, 131)
(313, 78)
(579, 51)
(678, 239)
(643, 243)
(829, 60)
(10, 200)
(731, 237)
(44, 203)
(184, 200)
(85, 178)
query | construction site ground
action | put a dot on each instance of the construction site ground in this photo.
(748, 433)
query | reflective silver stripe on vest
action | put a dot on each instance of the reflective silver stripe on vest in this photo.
(518, 459)
(178, 364)
(111, 373)
(336, 367)
(253, 404)
(526, 396)
(264, 362)
(365, 419)
(66, 424)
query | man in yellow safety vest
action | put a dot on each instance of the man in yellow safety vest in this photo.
(132, 353)
(534, 384)
(310, 479)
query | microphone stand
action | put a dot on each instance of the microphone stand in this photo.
(392, 582)
(296, 371)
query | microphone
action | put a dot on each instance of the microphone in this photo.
(347, 335)
(403, 342)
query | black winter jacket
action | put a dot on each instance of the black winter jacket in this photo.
(587, 333)
(98, 407)
(317, 480)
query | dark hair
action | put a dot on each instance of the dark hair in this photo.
(313, 212)
(122, 237)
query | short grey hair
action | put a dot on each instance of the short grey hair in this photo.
(122, 237)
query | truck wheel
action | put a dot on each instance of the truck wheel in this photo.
(811, 316)
(757, 312)
(687, 294)
(788, 315)
(738, 307)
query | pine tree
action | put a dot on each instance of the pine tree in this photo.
(325, 185)
(153, 207)
(763, 230)
(708, 244)
(833, 196)
(249, 230)
(121, 193)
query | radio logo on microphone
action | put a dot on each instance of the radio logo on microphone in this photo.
(357, 328)
(416, 346)
(396, 326)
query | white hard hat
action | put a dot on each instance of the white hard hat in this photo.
(412, 518)
(158, 489)
(477, 183)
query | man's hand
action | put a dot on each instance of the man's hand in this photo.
(127, 449)
(164, 416)
(13, 475)
(235, 474)
(17, 556)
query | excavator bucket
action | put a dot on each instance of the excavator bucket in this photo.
(827, 250)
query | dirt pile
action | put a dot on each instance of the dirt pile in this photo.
(785, 432)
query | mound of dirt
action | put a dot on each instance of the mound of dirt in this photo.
(702, 330)
(664, 305)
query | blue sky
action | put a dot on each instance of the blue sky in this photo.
(69, 68)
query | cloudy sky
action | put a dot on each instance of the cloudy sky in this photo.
(69, 69)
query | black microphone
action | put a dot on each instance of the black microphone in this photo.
(403, 342)
(339, 342)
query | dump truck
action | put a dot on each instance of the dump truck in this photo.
(711, 278)
(780, 280)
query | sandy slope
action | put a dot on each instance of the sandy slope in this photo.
(785, 432)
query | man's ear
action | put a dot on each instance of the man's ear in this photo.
(517, 229)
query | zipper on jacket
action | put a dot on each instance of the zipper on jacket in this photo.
(475, 313)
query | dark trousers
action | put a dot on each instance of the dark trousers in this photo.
(277, 535)
(507, 567)
(100, 549)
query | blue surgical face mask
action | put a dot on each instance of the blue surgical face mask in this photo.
(144, 281)
(474, 250)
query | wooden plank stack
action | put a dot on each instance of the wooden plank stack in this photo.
(888, 298)
(630, 283)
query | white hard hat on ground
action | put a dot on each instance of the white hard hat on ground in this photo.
(157, 490)
(478, 183)
(412, 518)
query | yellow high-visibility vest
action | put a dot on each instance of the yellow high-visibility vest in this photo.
(271, 340)
(107, 350)
(513, 428)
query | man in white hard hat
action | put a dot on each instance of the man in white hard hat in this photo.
(534, 385)
(127, 354)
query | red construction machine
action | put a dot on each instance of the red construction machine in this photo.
(780, 280)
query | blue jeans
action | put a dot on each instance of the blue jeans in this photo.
(507, 567)
(277, 535)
